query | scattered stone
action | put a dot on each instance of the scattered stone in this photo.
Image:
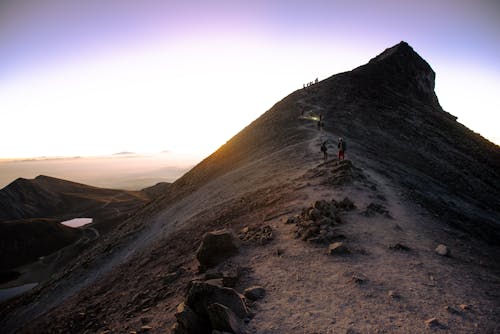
(259, 234)
(442, 250)
(393, 294)
(337, 248)
(372, 209)
(314, 213)
(346, 204)
(293, 220)
(400, 247)
(327, 209)
(254, 292)
(146, 328)
(216, 247)
(223, 318)
(279, 251)
(465, 307)
(358, 279)
(171, 277)
(451, 310)
(433, 323)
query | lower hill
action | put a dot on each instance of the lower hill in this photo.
(31, 212)
(49, 197)
(27, 240)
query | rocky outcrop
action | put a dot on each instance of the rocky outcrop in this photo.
(316, 223)
(210, 306)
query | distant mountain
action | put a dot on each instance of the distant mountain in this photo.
(390, 240)
(48, 197)
(31, 212)
(124, 153)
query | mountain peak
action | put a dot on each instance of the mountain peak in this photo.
(402, 49)
(401, 68)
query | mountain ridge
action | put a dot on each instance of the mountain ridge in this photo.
(410, 175)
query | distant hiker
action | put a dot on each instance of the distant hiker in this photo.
(324, 149)
(316, 81)
(342, 147)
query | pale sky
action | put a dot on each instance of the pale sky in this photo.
(90, 77)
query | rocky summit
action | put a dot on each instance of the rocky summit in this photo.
(402, 236)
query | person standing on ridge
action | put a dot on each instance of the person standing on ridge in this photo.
(342, 147)
(324, 149)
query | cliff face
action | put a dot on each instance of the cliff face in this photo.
(401, 67)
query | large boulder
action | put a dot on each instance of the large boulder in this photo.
(188, 321)
(216, 247)
(202, 294)
(223, 319)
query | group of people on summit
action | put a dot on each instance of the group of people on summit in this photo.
(341, 145)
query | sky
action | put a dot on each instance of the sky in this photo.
(92, 77)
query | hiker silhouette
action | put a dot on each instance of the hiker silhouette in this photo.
(342, 147)
(324, 149)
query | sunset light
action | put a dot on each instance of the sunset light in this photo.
(127, 76)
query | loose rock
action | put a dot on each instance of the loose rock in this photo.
(399, 247)
(394, 295)
(442, 250)
(433, 323)
(254, 292)
(337, 248)
(346, 204)
(465, 307)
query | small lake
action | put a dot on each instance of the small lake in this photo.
(15, 291)
(77, 222)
